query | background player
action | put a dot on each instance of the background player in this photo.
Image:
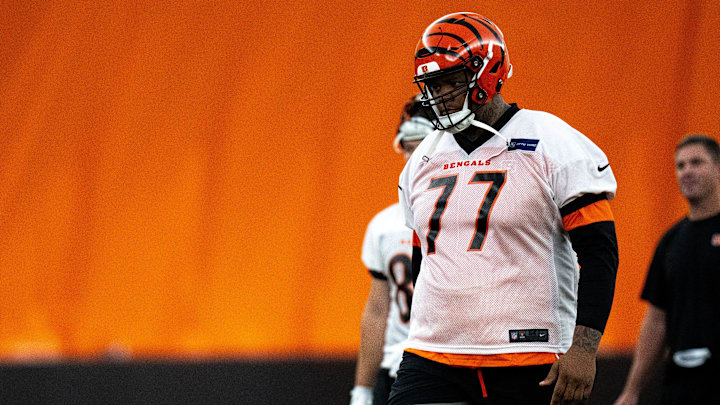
(684, 276)
(506, 204)
(387, 253)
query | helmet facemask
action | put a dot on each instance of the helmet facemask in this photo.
(464, 79)
(457, 42)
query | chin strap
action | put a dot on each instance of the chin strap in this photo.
(490, 129)
(494, 131)
(438, 134)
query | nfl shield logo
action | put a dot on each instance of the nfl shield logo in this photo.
(513, 335)
(715, 240)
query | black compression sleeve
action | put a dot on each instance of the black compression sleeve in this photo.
(597, 252)
(416, 260)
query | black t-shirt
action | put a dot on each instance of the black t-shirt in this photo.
(684, 280)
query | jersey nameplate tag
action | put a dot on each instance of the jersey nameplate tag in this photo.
(528, 335)
(523, 144)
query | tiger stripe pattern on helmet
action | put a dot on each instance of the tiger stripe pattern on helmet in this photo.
(464, 41)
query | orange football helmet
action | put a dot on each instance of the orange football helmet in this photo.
(465, 42)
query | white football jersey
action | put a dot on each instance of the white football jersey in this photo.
(387, 249)
(498, 273)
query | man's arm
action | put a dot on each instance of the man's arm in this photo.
(648, 351)
(591, 228)
(372, 337)
(575, 370)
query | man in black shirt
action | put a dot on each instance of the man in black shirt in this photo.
(683, 279)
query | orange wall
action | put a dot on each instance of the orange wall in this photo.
(184, 178)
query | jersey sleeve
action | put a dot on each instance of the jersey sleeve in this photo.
(578, 167)
(371, 253)
(583, 183)
(403, 197)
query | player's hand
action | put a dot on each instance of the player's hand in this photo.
(573, 375)
(627, 398)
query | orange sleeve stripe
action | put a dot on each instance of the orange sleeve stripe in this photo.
(488, 360)
(596, 212)
(416, 240)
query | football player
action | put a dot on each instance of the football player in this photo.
(507, 206)
(386, 252)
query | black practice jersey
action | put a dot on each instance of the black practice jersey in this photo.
(684, 280)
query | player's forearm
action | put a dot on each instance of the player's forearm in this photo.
(372, 331)
(586, 339)
(597, 252)
(648, 350)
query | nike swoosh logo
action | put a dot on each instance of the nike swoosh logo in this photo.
(601, 168)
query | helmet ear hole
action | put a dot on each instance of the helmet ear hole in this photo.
(479, 95)
(475, 63)
(498, 86)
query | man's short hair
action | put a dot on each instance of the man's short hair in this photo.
(710, 145)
